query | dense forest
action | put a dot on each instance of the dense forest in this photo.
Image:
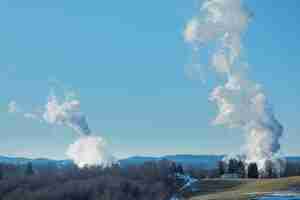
(150, 181)
(281, 168)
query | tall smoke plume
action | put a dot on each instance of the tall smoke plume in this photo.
(241, 103)
(66, 113)
(87, 150)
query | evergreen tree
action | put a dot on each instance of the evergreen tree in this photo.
(173, 168)
(179, 169)
(1, 172)
(29, 169)
(241, 169)
(253, 171)
(136, 193)
(221, 166)
(269, 172)
(126, 188)
(233, 166)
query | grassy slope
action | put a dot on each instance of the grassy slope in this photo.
(240, 189)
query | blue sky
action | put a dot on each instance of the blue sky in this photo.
(126, 60)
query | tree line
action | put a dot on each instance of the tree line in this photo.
(149, 181)
(271, 169)
(155, 180)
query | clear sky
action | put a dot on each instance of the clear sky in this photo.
(126, 60)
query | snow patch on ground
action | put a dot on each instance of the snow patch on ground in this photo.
(279, 196)
(188, 181)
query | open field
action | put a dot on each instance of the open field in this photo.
(217, 189)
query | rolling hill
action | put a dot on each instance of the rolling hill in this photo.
(203, 161)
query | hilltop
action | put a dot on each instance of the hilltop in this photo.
(201, 161)
(244, 189)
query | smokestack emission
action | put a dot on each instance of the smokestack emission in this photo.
(12, 107)
(219, 26)
(87, 150)
(66, 113)
(90, 151)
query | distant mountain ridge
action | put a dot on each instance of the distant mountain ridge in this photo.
(36, 162)
(204, 161)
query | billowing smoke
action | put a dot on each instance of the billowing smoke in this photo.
(66, 113)
(88, 150)
(12, 107)
(219, 29)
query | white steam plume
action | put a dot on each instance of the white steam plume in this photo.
(88, 150)
(241, 102)
(66, 113)
(12, 107)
